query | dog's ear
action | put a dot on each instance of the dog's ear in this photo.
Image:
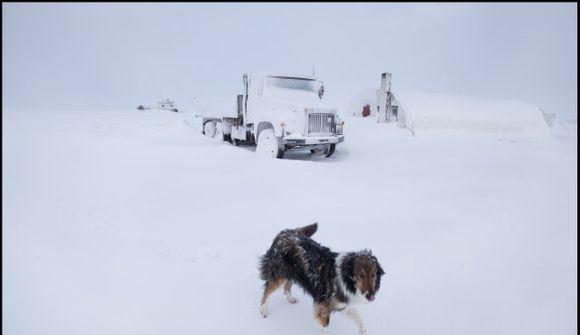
(380, 273)
(380, 270)
(347, 272)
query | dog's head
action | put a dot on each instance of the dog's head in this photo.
(365, 274)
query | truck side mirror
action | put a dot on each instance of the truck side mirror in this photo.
(321, 91)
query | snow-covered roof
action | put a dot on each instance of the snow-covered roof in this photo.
(421, 111)
(444, 111)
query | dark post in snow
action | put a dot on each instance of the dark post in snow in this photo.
(384, 107)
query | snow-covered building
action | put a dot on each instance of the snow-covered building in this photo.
(417, 111)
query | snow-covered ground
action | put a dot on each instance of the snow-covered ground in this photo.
(128, 222)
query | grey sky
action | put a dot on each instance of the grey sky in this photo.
(108, 56)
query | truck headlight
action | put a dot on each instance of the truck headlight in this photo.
(339, 127)
(287, 127)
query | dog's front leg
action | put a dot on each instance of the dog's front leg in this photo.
(322, 314)
(355, 316)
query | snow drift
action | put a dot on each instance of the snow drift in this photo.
(433, 111)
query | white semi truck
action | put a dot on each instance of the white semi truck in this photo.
(278, 113)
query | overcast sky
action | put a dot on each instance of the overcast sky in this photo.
(114, 56)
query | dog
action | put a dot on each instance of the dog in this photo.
(336, 281)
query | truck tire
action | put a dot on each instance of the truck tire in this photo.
(326, 150)
(219, 134)
(209, 129)
(330, 150)
(268, 144)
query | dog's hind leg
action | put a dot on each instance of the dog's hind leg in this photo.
(288, 292)
(269, 288)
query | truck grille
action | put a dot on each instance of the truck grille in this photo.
(321, 123)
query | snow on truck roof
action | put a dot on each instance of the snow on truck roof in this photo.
(293, 77)
(284, 76)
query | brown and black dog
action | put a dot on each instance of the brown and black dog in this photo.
(336, 281)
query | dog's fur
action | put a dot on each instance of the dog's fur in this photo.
(336, 281)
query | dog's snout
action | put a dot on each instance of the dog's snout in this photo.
(370, 295)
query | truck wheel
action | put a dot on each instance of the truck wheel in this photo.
(209, 129)
(219, 135)
(327, 150)
(330, 150)
(268, 144)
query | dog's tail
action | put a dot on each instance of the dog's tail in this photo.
(308, 230)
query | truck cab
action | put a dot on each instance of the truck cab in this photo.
(284, 112)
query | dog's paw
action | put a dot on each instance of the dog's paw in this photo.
(292, 300)
(364, 332)
(264, 311)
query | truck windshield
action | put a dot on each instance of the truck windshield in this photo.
(303, 84)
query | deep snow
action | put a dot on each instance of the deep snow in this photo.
(128, 222)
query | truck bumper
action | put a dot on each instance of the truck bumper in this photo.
(312, 140)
